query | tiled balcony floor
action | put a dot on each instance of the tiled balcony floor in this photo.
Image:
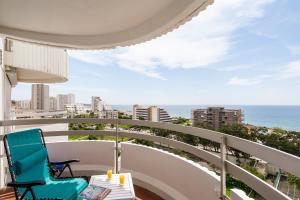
(141, 194)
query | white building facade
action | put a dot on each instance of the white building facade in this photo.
(151, 113)
(64, 99)
(40, 97)
(75, 109)
(53, 104)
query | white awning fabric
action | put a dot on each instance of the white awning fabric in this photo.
(94, 24)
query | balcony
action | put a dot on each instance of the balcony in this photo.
(33, 63)
(163, 173)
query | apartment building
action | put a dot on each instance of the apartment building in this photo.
(108, 114)
(53, 103)
(23, 104)
(151, 113)
(139, 112)
(97, 104)
(216, 117)
(64, 99)
(40, 97)
(74, 109)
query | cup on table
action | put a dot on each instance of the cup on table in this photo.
(122, 179)
(109, 174)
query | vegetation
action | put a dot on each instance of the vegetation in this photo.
(254, 171)
(294, 180)
(288, 141)
(144, 142)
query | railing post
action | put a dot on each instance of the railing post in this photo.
(117, 148)
(223, 168)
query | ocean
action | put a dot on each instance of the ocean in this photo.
(286, 117)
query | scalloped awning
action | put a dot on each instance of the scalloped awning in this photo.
(94, 24)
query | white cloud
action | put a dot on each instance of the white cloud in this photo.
(205, 40)
(236, 81)
(292, 70)
(265, 34)
(295, 50)
(234, 68)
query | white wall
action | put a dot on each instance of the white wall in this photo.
(237, 194)
(95, 156)
(168, 175)
(5, 111)
(30, 59)
(2, 100)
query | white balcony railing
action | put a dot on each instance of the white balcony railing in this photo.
(284, 161)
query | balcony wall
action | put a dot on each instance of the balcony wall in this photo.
(169, 175)
(95, 156)
(166, 174)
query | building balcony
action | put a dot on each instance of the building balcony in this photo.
(167, 175)
(34, 63)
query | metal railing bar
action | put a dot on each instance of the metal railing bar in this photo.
(223, 168)
(117, 148)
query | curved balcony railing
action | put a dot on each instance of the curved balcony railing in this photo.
(284, 161)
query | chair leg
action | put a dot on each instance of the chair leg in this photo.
(32, 194)
(70, 170)
(23, 195)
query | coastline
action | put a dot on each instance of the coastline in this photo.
(281, 116)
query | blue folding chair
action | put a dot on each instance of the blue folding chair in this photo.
(32, 173)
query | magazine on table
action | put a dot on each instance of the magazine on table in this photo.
(95, 192)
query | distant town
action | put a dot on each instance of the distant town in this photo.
(228, 121)
(43, 105)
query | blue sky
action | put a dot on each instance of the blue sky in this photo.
(235, 52)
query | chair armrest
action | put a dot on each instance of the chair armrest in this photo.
(26, 184)
(64, 162)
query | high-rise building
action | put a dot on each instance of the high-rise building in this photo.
(97, 104)
(139, 112)
(40, 97)
(103, 110)
(216, 117)
(64, 99)
(152, 113)
(53, 104)
(71, 98)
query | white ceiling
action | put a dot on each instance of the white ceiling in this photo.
(94, 24)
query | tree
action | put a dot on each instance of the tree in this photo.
(144, 142)
(181, 120)
(160, 132)
(100, 126)
(240, 131)
(189, 139)
(283, 140)
(92, 137)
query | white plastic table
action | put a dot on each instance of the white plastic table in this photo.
(118, 192)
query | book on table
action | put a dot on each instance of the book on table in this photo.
(95, 192)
